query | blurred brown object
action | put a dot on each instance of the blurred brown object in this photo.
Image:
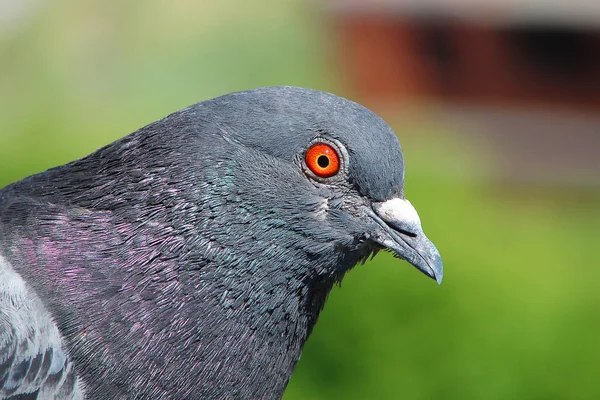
(499, 51)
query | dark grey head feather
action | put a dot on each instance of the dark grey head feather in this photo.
(270, 117)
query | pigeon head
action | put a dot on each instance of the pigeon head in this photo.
(328, 169)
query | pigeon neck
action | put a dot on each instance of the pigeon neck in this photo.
(211, 330)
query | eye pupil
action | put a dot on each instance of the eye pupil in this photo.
(323, 161)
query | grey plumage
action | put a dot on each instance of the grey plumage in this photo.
(191, 258)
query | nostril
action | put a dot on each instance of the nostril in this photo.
(400, 216)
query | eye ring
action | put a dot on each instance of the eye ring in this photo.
(322, 159)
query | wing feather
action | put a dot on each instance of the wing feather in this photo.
(33, 363)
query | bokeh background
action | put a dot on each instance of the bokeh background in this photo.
(502, 157)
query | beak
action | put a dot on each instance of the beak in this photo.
(402, 233)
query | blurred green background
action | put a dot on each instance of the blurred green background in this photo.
(517, 316)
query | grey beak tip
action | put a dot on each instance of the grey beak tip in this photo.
(438, 269)
(434, 270)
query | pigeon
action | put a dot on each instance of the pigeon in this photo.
(191, 259)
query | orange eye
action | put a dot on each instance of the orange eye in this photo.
(323, 160)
